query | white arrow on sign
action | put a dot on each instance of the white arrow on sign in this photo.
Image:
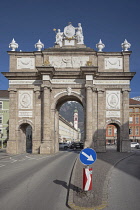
(89, 157)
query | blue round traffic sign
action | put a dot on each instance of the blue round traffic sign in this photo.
(88, 156)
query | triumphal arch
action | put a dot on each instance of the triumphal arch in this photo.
(41, 81)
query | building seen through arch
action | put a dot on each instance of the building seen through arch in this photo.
(41, 81)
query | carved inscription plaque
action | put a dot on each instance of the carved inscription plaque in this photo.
(25, 114)
(113, 114)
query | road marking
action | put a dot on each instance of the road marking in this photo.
(1, 165)
(13, 160)
(30, 158)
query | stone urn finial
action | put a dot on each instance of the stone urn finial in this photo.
(39, 45)
(100, 46)
(13, 45)
(125, 45)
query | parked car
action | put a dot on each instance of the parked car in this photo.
(138, 146)
(63, 145)
(77, 145)
(134, 144)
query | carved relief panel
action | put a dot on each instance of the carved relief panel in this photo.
(25, 63)
(113, 63)
(68, 61)
(25, 99)
(112, 99)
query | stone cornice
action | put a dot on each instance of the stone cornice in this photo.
(114, 53)
(21, 75)
(46, 70)
(88, 70)
(115, 75)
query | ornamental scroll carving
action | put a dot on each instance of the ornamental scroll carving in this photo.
(68, 61)
(25, 100)
(25, 63)
(113, 63)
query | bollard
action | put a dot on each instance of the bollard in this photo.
(87, 178)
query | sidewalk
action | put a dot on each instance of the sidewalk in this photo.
(98, 196)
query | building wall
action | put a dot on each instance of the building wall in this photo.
(67, 132)
(134, 124)
(4, 121)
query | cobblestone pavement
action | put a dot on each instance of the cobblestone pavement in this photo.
(96, 198)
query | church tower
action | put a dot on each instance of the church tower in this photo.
(76, 118)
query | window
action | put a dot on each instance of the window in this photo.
(137, 131)
(0, 119)
(130, 130)
(136, 109)
(130, 119)
(137, 119)
(109, 131)
(1, 104)
(130, 110)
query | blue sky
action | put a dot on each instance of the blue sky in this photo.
(30, 20)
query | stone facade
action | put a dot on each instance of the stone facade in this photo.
(4, 117)
(41, 81)
(67, 132)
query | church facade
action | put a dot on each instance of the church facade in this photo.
(41, 81)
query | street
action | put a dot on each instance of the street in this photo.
(34, 182)
(124, 186)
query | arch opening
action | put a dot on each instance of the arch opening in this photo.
(113, 137)
(69, 122)
(25, 137)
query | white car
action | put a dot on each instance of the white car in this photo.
(134, 144)
(63, 145)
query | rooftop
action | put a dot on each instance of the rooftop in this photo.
(133, 102)
(4, 94)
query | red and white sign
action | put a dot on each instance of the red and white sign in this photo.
(87, 179)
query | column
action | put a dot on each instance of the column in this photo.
(89, 107)
(36, 134)
(12, 144)
(46, 147)
(101, 128)
(125, 144)
(94, 117)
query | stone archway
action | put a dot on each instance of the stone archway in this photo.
(117, 140)
(25, 138)
(61, 99)
(39, 81)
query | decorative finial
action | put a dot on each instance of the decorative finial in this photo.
(100, 46)
(39, 45)
(125, 45)
(13, 45)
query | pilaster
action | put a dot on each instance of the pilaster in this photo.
(12, 142)
(125, 146)
(89, 133)
(37, 114)
(46, 146)
(101, 131)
